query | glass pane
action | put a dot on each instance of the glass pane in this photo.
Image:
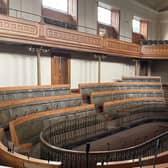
(136, 26)
(104, 16)
(61, 5)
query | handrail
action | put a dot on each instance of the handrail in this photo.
(41, 20)
(100, 152)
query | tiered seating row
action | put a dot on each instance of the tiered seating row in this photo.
(22, 129)
(142, 79)
(11, 110)
(15, 93)
(99, 98)
(135, 105)
(86, 89)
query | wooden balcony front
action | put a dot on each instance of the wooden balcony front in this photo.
(34, 33)
(154, 51)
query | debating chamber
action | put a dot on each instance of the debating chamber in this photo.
(83, 83)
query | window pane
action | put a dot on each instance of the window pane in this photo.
(136, 26)
(104, 16)
(61, 5)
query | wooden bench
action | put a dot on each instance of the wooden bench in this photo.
(99, 98)
(15, 93)
(134, 104)
(27, 128)
(142, 79)
(87, 89)
(11, 110)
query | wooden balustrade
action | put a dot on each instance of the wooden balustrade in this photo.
(29, 32)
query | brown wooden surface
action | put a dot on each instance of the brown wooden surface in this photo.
(24, 31)
(145, 77)
(125, 91)
(20, 120)
(20, 161)
(60, 70)
(133, 100)
(154, 51)
(87, 85)
(161, 159)
(33, 87)
(37, 99)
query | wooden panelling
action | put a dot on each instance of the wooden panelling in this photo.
(154, 51)
(20, 161)
(28, 32)
(22, 31)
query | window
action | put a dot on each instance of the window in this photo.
(140, 30)
(60, 5)
(104, 16)
(136, 26)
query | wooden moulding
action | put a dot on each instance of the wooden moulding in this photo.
(134, 100)
(37, 99)
(125, 91)
(87, 85)
(20, 161)
(141, 77)
(24, 119)
(18, 88)
(34, 33)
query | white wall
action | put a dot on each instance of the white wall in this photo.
(21, 69)
(129, 9)
(112, 71)
(29, 6)
(87, 16)
(163, 25)
(85, 71)
(159, 68)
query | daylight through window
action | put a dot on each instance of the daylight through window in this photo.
(60, 5)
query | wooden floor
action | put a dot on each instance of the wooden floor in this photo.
(127, 138)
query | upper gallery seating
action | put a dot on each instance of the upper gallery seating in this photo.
(154, 42)
(15, 93)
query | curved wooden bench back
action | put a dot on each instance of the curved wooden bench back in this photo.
(142, 79)
(133, 104)
(16, 93)
(148, 161)
(20, 161)
(27, 129)
(86, 89)
(99, 98)
(17, 108)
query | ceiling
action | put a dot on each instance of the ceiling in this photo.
(158, 5)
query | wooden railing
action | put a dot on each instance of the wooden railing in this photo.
(72, 158)
(28, 32)
(34, 33)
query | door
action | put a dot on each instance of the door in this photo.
(60, 70)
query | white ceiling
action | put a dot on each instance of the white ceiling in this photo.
(158, 5)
